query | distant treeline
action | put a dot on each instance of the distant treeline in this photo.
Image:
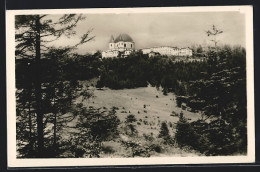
(73, 67)
(137, 70)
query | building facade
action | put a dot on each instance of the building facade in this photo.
(122, 46)
(168, 51)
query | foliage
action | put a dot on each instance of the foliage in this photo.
(130, 126)
(221, 97)
(164, 133)
(214, 32)
(42, 90)
(185, 134)
(137, 148)
(93, 127)
(137, 70)
(130, 118)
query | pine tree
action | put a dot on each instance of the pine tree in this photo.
(94, 126)
(221, 98)
(33, 35)
(164, 133)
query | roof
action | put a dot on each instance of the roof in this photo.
(112, 40)
(124, 38)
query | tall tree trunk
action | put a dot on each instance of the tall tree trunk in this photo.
(38, 94)
(30, 124)
(55, 130)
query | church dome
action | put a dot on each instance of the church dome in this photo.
(124, 38)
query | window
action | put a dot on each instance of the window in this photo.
(125, 45)
(131, 45)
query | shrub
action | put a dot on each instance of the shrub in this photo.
(130, 118)
(174, 114)
(156, 148)
(148, 137)
(108, 149)
(137, 149)
(145, 122)
(131, 130)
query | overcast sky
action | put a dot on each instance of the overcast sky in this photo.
(160, 29)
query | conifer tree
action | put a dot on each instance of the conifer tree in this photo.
(94, 127)
(221, 98)
(33, 35)
(164, 133)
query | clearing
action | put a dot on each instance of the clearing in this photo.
(148, 104)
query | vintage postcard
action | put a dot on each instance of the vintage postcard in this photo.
(130, 86)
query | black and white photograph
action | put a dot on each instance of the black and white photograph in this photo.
(130, 86)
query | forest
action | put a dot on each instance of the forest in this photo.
(50, 81)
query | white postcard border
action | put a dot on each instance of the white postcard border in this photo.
(11, 104)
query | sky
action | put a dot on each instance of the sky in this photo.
(159, 29)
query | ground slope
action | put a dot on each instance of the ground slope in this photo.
(148, 104)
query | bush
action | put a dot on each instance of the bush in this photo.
(137, 149)
(130, 118)
(108, 149)
(156, 148)
(148, 137)
(145, 122)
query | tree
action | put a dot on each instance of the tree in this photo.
(214, 33)
(33, 35)
(130, 120)
(185, 133)
(199, 49)
(59, 93)
(93, 128)
(221, 98)
(164, 133)
(217, 92)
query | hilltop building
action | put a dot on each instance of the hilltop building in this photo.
(168, 51)
(123, 45)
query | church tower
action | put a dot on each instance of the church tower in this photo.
(112, 43)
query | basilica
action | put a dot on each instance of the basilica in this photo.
(122, 46)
